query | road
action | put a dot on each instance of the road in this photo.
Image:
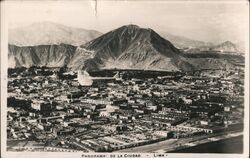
(172, 144)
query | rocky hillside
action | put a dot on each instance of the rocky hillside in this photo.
(127, 47)
(132, 47)
(42, 55)
(227, 46)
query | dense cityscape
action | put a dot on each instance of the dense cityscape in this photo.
(48, 110)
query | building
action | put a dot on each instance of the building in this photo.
(40, 105)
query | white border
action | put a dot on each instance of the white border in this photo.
(4, 64)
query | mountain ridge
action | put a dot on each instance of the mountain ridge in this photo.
(133, 47)
(226, 46)
(127, 47)
(43, 33)
(184, 42)
(41, 55)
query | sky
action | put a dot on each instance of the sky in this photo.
(207, 21)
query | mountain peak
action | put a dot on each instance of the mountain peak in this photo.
(228, 43)
(128, 28)
(131, 26)
(226, 46)
(131, 46)
(134, 31)
(125, 36)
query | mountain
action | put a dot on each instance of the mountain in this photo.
(226, 46)
(45, 33)
(127, 47)
(190, 45)
(42, 55)
(132, 47)
(183, 42)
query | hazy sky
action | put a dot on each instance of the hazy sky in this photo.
(213, 22)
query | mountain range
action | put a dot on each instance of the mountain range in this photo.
(132, 47)
(127, 47)
(184, 42)
(47, 33)
(41, 55)
(226, 46)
